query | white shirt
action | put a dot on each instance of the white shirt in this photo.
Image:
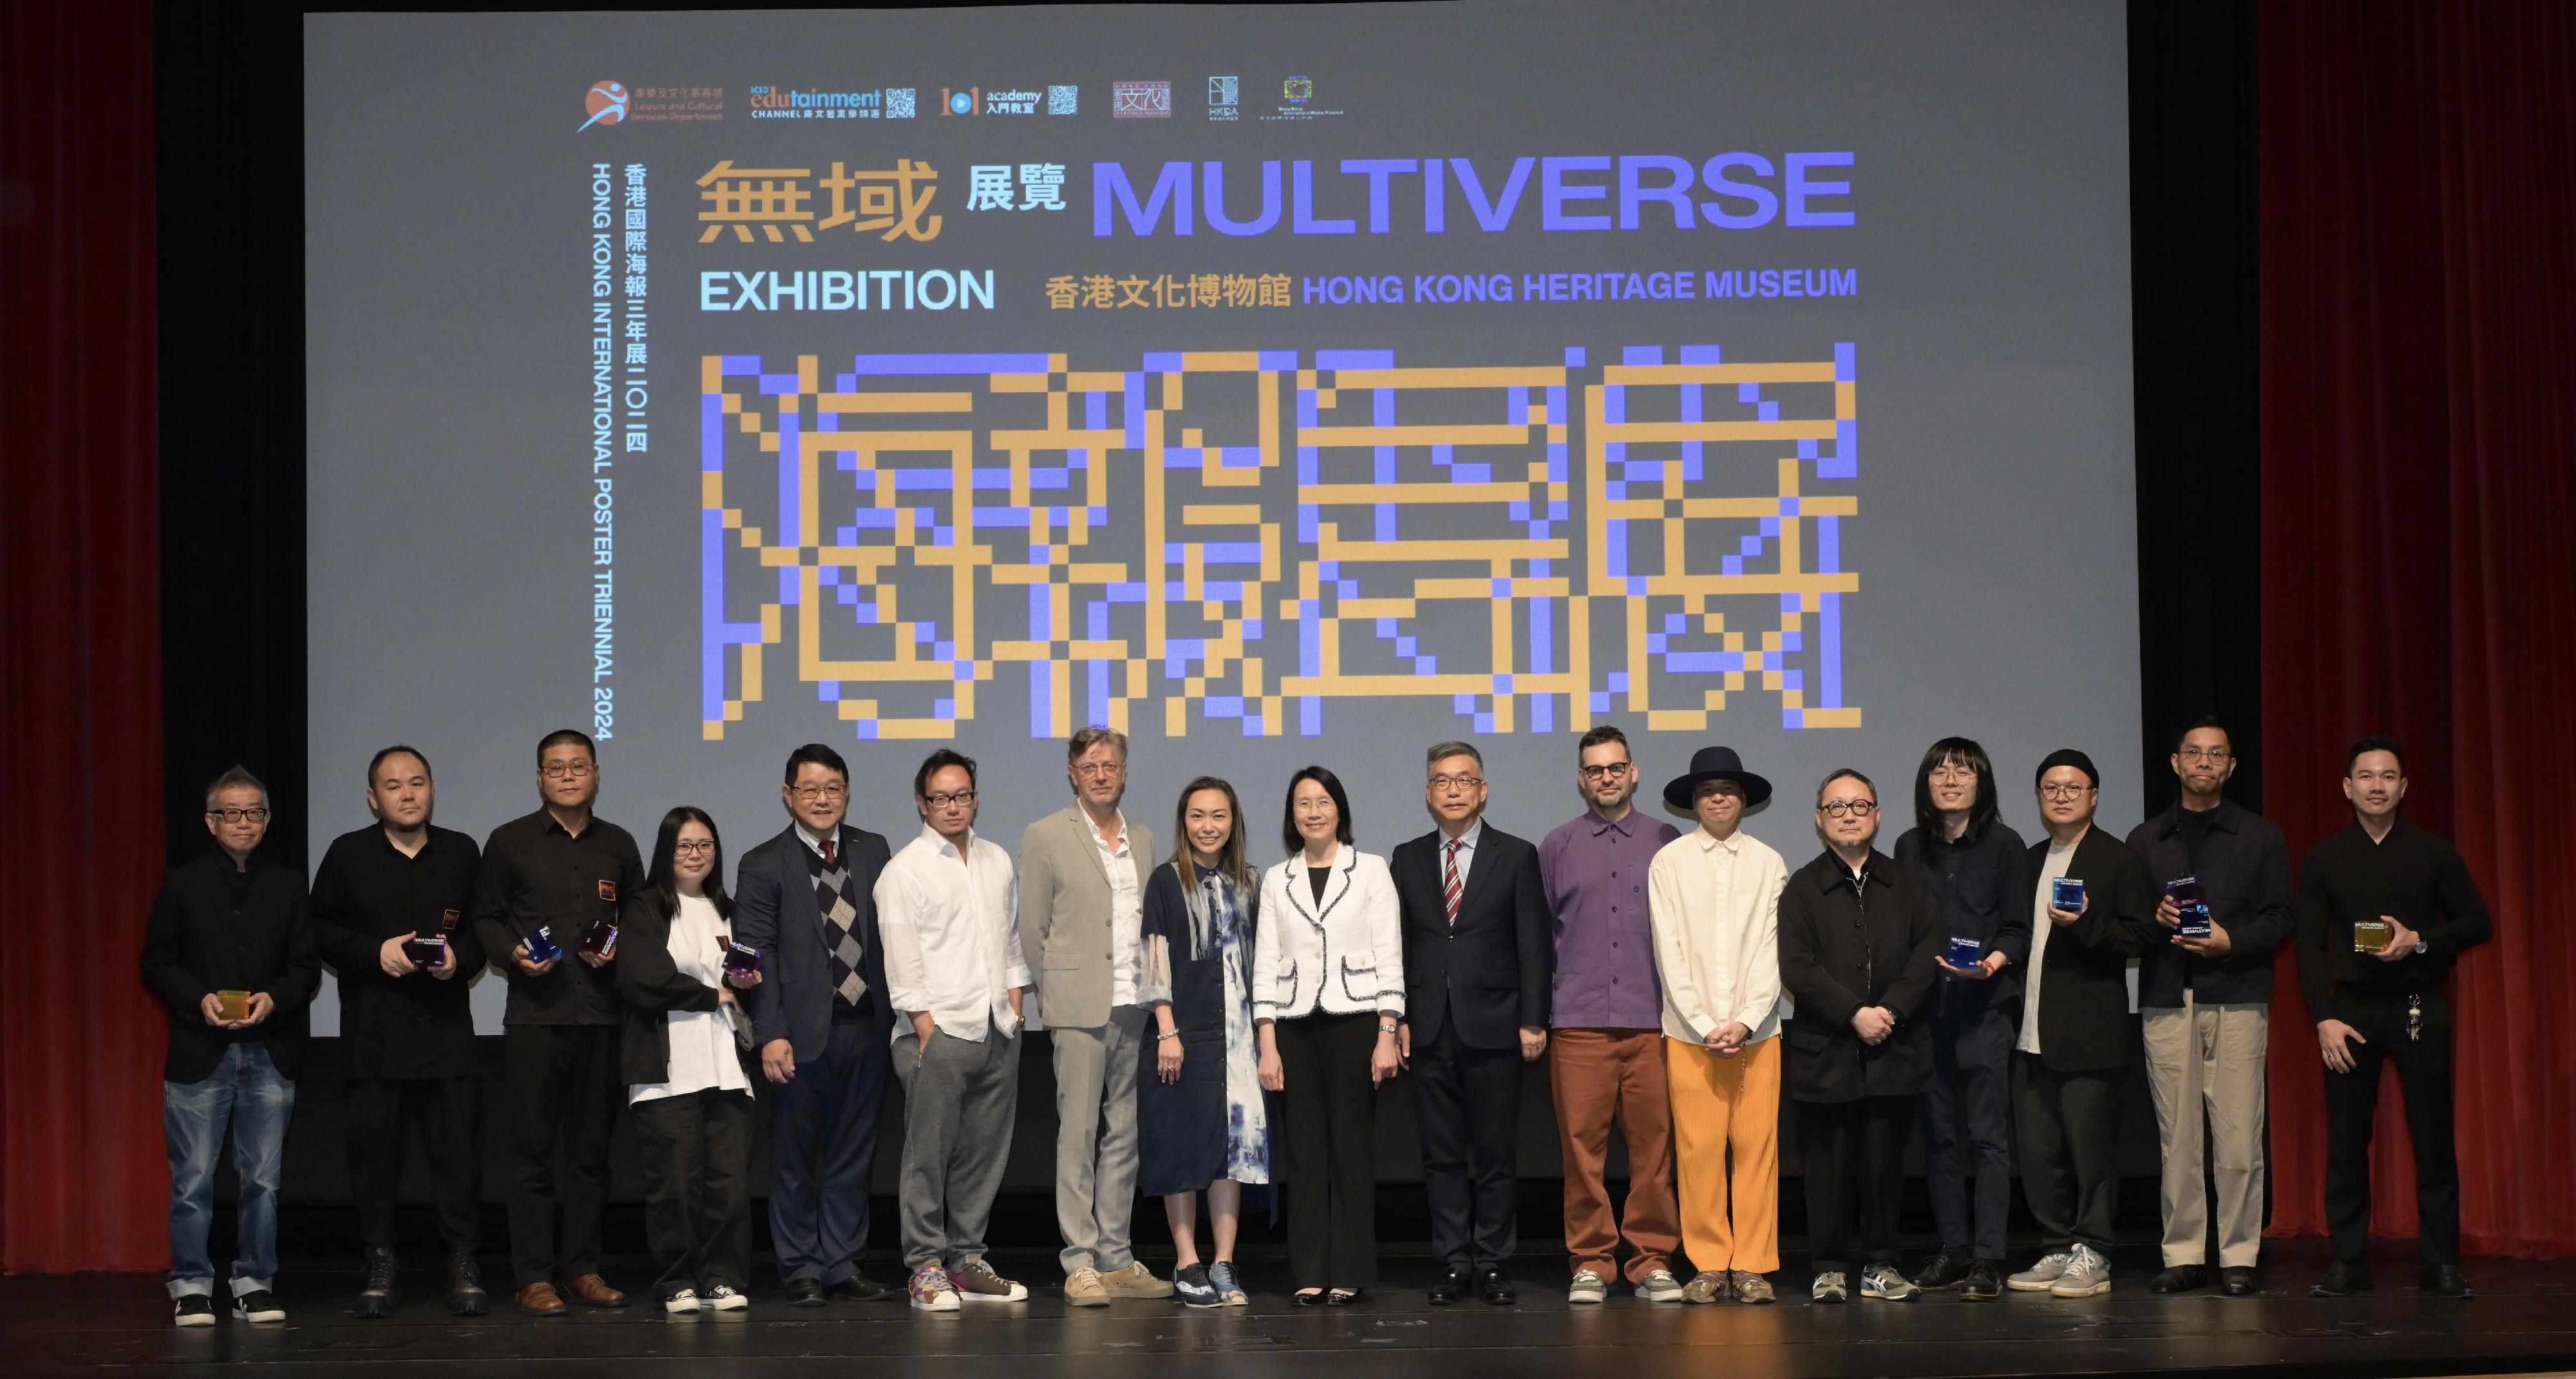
(1126, 915)
(1715, 909)
(948, 924)
(702, 1047)
(2059, 855)
(1466, 854)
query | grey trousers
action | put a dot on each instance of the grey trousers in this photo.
(1095, 1139)
(2210, 1057)
(959, 1098)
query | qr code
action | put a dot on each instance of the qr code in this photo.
(1062, 99)
(898, 103)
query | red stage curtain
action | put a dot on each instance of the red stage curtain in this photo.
(84, 1183)
(2419, 538)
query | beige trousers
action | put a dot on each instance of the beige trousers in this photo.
(2208, 1060)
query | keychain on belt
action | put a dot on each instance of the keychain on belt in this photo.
(2414, 1018)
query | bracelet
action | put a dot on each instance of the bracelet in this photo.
(1385, 1028)
(1167, 1034)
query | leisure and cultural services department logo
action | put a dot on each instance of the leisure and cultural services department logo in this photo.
(606, 104)
(1140, 100)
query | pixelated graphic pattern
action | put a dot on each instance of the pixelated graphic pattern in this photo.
(1242, 539)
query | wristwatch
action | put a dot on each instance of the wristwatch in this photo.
(2422, 948)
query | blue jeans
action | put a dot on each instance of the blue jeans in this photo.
(246, 1091)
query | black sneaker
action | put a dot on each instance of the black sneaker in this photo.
(193, 1309)
(257, 1306)
(1942, 1272)
(1190, 1283)
(1984, 1283)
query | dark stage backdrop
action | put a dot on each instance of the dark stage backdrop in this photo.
(2419, 262)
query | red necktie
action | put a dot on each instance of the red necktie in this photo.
(1449, 887)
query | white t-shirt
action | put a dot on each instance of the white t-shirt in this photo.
(2040, 928)
(702, 1045)
(1126, 915)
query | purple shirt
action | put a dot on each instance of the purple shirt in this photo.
(1594, 873)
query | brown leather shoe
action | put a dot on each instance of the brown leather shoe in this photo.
(540, 1300)
(590, 1290)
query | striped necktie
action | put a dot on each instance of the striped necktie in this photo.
(1449, 887)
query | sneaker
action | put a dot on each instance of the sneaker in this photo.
(1228, 1286)
(724, 1299)
(978, 1283)
(1708, 1285)
(1883, 1282)
(192, 1309)
(1190, 1284)
(1083, 1288)
(1942, 1272)
(1829, 1288)
(1751, 1287)
(683, 1302)
(931, 1291)
(2087, 1275)
(2041, 1277)
(1660, 1286)
(1984, 1283)
(1587, 1289)
(1135, 1281)
(258, 1306)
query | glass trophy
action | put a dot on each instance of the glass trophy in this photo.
(541, 945)
(2067, 893)
(2371, 935)
(233, 1005)
(2189, 898)
(425, 950)
(599, 937)
(1966, 952)
(741, 960)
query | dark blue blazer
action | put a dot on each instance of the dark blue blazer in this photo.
(774, 911)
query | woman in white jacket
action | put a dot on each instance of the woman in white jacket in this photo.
(1327, 992)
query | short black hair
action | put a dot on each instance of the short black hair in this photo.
(1847, 773)
(1981, 812)
(395, 750)
(937, 762)
(1332, 784)
(566, 737)
(2376, 742)
(1600, 733)
(816, 754)
(2207, 720)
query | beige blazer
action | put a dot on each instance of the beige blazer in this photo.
(1064, 914)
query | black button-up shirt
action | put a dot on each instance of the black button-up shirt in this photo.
(2244, 869)
(2411, 876)
(366, 892)
(1982, 883)
(535, 873)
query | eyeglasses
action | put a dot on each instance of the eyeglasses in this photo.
(557, 770)
(2212, 755)
(1444, 784)
(688, 849)
(960, 798)
(235, 816)
(1953, 771)
(1314, 808)
(2065, 792)
(1099, 770)
(1616, 768)
(1858, 809)
(810, 793)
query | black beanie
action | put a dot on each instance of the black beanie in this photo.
(2068, 756)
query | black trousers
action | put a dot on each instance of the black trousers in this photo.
(1854, 1153)
(449, 1113)
(565, 1086)
(2352, 1107)
(1331, 1110)
(1967, 1131)
(2069, 1125)
(822, 1147)
(1469, 1104)
(695, 1151)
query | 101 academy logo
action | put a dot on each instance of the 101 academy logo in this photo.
(1140, 100)
(1225, 99)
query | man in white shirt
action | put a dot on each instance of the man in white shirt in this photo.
(955, 978)
(1714, 898)
(1082, 918)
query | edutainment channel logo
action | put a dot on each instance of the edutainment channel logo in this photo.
(606, 104)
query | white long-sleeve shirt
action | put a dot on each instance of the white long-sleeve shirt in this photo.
(949, 924)
(1715, 907)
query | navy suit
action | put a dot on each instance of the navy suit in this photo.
(823, 1121)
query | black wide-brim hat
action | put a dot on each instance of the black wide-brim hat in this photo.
(1715, 763)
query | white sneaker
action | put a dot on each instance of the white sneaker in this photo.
(682, 1303)
(725, 1299)
(1588, 1288)
(2088, 1275)
(1661, 1286)
(930, 1290)
(2041, 1277)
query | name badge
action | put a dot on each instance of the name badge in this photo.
(447, 918)
(608, 890)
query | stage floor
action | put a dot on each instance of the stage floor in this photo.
(2523, 1321)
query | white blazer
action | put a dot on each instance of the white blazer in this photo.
(1344, 953)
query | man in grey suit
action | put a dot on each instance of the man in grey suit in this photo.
(807, 900)
(1082, 888)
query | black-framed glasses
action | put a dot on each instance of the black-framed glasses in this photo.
(236, 816)
(1857, 809)
(1448, 783)
(1604, 772)
(955, 797)
(2065, 792)
(557, 770)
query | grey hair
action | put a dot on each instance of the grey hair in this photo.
(238, 778)
(1845, 774)
(1442, 751)
(1092, 737)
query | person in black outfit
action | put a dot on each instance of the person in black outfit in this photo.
(407, 1031)
(1978, 870)
(560, 869)
(1479, 960)
(2382, 1002)
(229, 948)
(1857, 935)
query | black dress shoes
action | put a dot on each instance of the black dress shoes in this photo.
(465, 1295)
(1452, 1285)
(804, 1292)
(1984, 1281)
(2181, 1278)
(1496, 1290)
(1942, 1272)
(857, 1288)
(2237, 1281)
(2444, 1280)
(2342, 1281)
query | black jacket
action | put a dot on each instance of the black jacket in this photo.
(2084, 976)
(775, 912)
(2411, 876)
(366, 892)
(1492, 972)
(1844, 946)
(652, 986)
(202, 939)
(2244, 868)
(1982, 885)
